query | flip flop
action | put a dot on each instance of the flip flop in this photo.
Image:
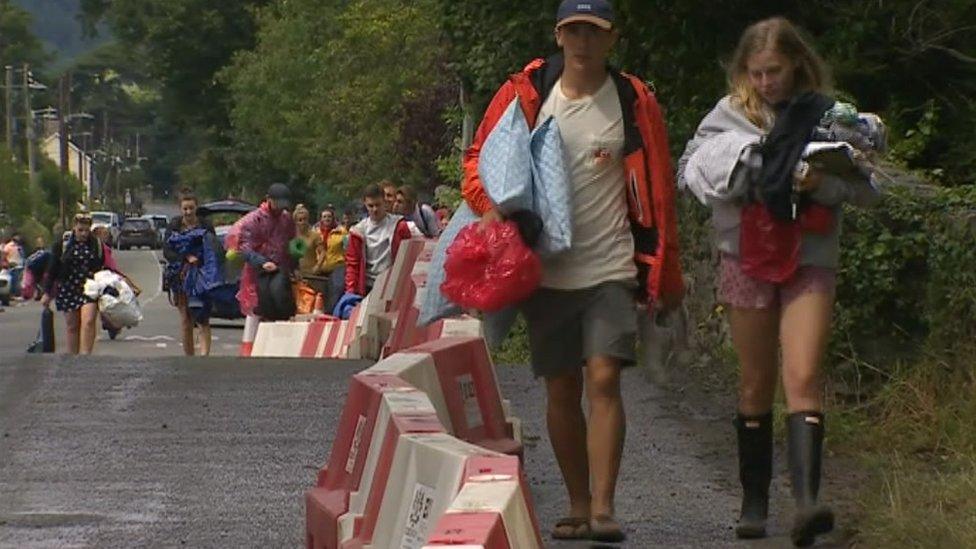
(571, 528)
(605, 529)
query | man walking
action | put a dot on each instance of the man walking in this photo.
(624, 249)
(373, 242)
(264, 237)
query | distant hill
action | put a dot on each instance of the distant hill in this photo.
(56, 24)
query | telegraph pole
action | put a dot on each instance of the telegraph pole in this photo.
(29, 116)
(63, 142)
(9, 106)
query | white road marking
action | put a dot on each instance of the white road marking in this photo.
(159, 278)
(148, 338)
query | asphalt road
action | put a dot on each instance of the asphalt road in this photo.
(139, 446)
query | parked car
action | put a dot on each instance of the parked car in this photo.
(114, 223)
(161, 223)
(137, 231)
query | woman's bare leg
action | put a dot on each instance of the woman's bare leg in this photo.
(72, 328)
(89, 327)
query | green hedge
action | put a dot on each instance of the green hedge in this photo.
(908, 275)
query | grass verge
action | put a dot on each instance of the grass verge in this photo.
(917, 438)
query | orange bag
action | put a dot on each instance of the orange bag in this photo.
(304, 298)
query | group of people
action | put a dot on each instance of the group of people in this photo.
(337, 256)
(745, 163)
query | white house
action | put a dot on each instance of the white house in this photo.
(80, 164)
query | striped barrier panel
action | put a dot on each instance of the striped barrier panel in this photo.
(426, 472)
(378, 410)
(493, 510)
(458, 376)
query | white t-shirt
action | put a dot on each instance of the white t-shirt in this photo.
(378, 239)
(592, 130)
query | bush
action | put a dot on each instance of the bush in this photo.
(907, 283)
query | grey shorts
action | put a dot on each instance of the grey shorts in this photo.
(568, 327)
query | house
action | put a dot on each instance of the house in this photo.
(80, 164)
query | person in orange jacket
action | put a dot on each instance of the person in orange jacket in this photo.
(373, 242)
(624, 249)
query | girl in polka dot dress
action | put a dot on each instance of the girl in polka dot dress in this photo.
(73, 262)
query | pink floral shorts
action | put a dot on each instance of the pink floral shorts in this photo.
(738, 289)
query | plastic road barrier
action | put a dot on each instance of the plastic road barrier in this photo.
(458, 376)
(493, 510)
(429, 471)
(251, 323)
(280, 339)
(379, 409)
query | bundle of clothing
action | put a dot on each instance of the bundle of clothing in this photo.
(116, 299)
(865, 132)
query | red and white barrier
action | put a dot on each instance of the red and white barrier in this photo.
(458, 376)
(493, 510)
(459, 326)
(280, 339)
(379, 409)
(426, 473)
(251, 323)
(326, 339)
(398, 292)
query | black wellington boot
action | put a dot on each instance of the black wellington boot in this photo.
(755, 435)
(806, 432)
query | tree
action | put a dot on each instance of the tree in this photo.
(328, 89)
(18, 44)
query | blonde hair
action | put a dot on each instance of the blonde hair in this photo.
(780, 35)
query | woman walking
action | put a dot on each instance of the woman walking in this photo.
(777, 227)
(73, 262)
(185, 250)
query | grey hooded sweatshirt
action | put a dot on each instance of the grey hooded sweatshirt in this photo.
(721, 164)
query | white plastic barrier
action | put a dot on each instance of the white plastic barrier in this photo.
(491, 511)
(280, 339)
(458, 376)
(428, 470)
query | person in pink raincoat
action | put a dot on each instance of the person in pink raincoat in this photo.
(263, 240)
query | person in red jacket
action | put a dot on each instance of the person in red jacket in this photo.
(373, 242)
(625, 246)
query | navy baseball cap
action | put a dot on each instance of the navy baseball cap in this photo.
(596, 12)
(281, 194)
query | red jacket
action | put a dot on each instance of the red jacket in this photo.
(647, 165)
(356, 256)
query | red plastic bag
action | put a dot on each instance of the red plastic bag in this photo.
(769, 248)
(490, 268)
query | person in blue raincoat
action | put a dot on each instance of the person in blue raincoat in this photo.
(194, 263)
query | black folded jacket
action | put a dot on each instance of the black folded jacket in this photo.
(783, 148)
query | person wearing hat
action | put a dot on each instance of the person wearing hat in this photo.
(263, 242)
(582, 322)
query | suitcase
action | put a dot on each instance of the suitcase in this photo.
(45, 338)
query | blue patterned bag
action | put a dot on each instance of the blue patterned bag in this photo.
(505, 162)
(552, 200)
